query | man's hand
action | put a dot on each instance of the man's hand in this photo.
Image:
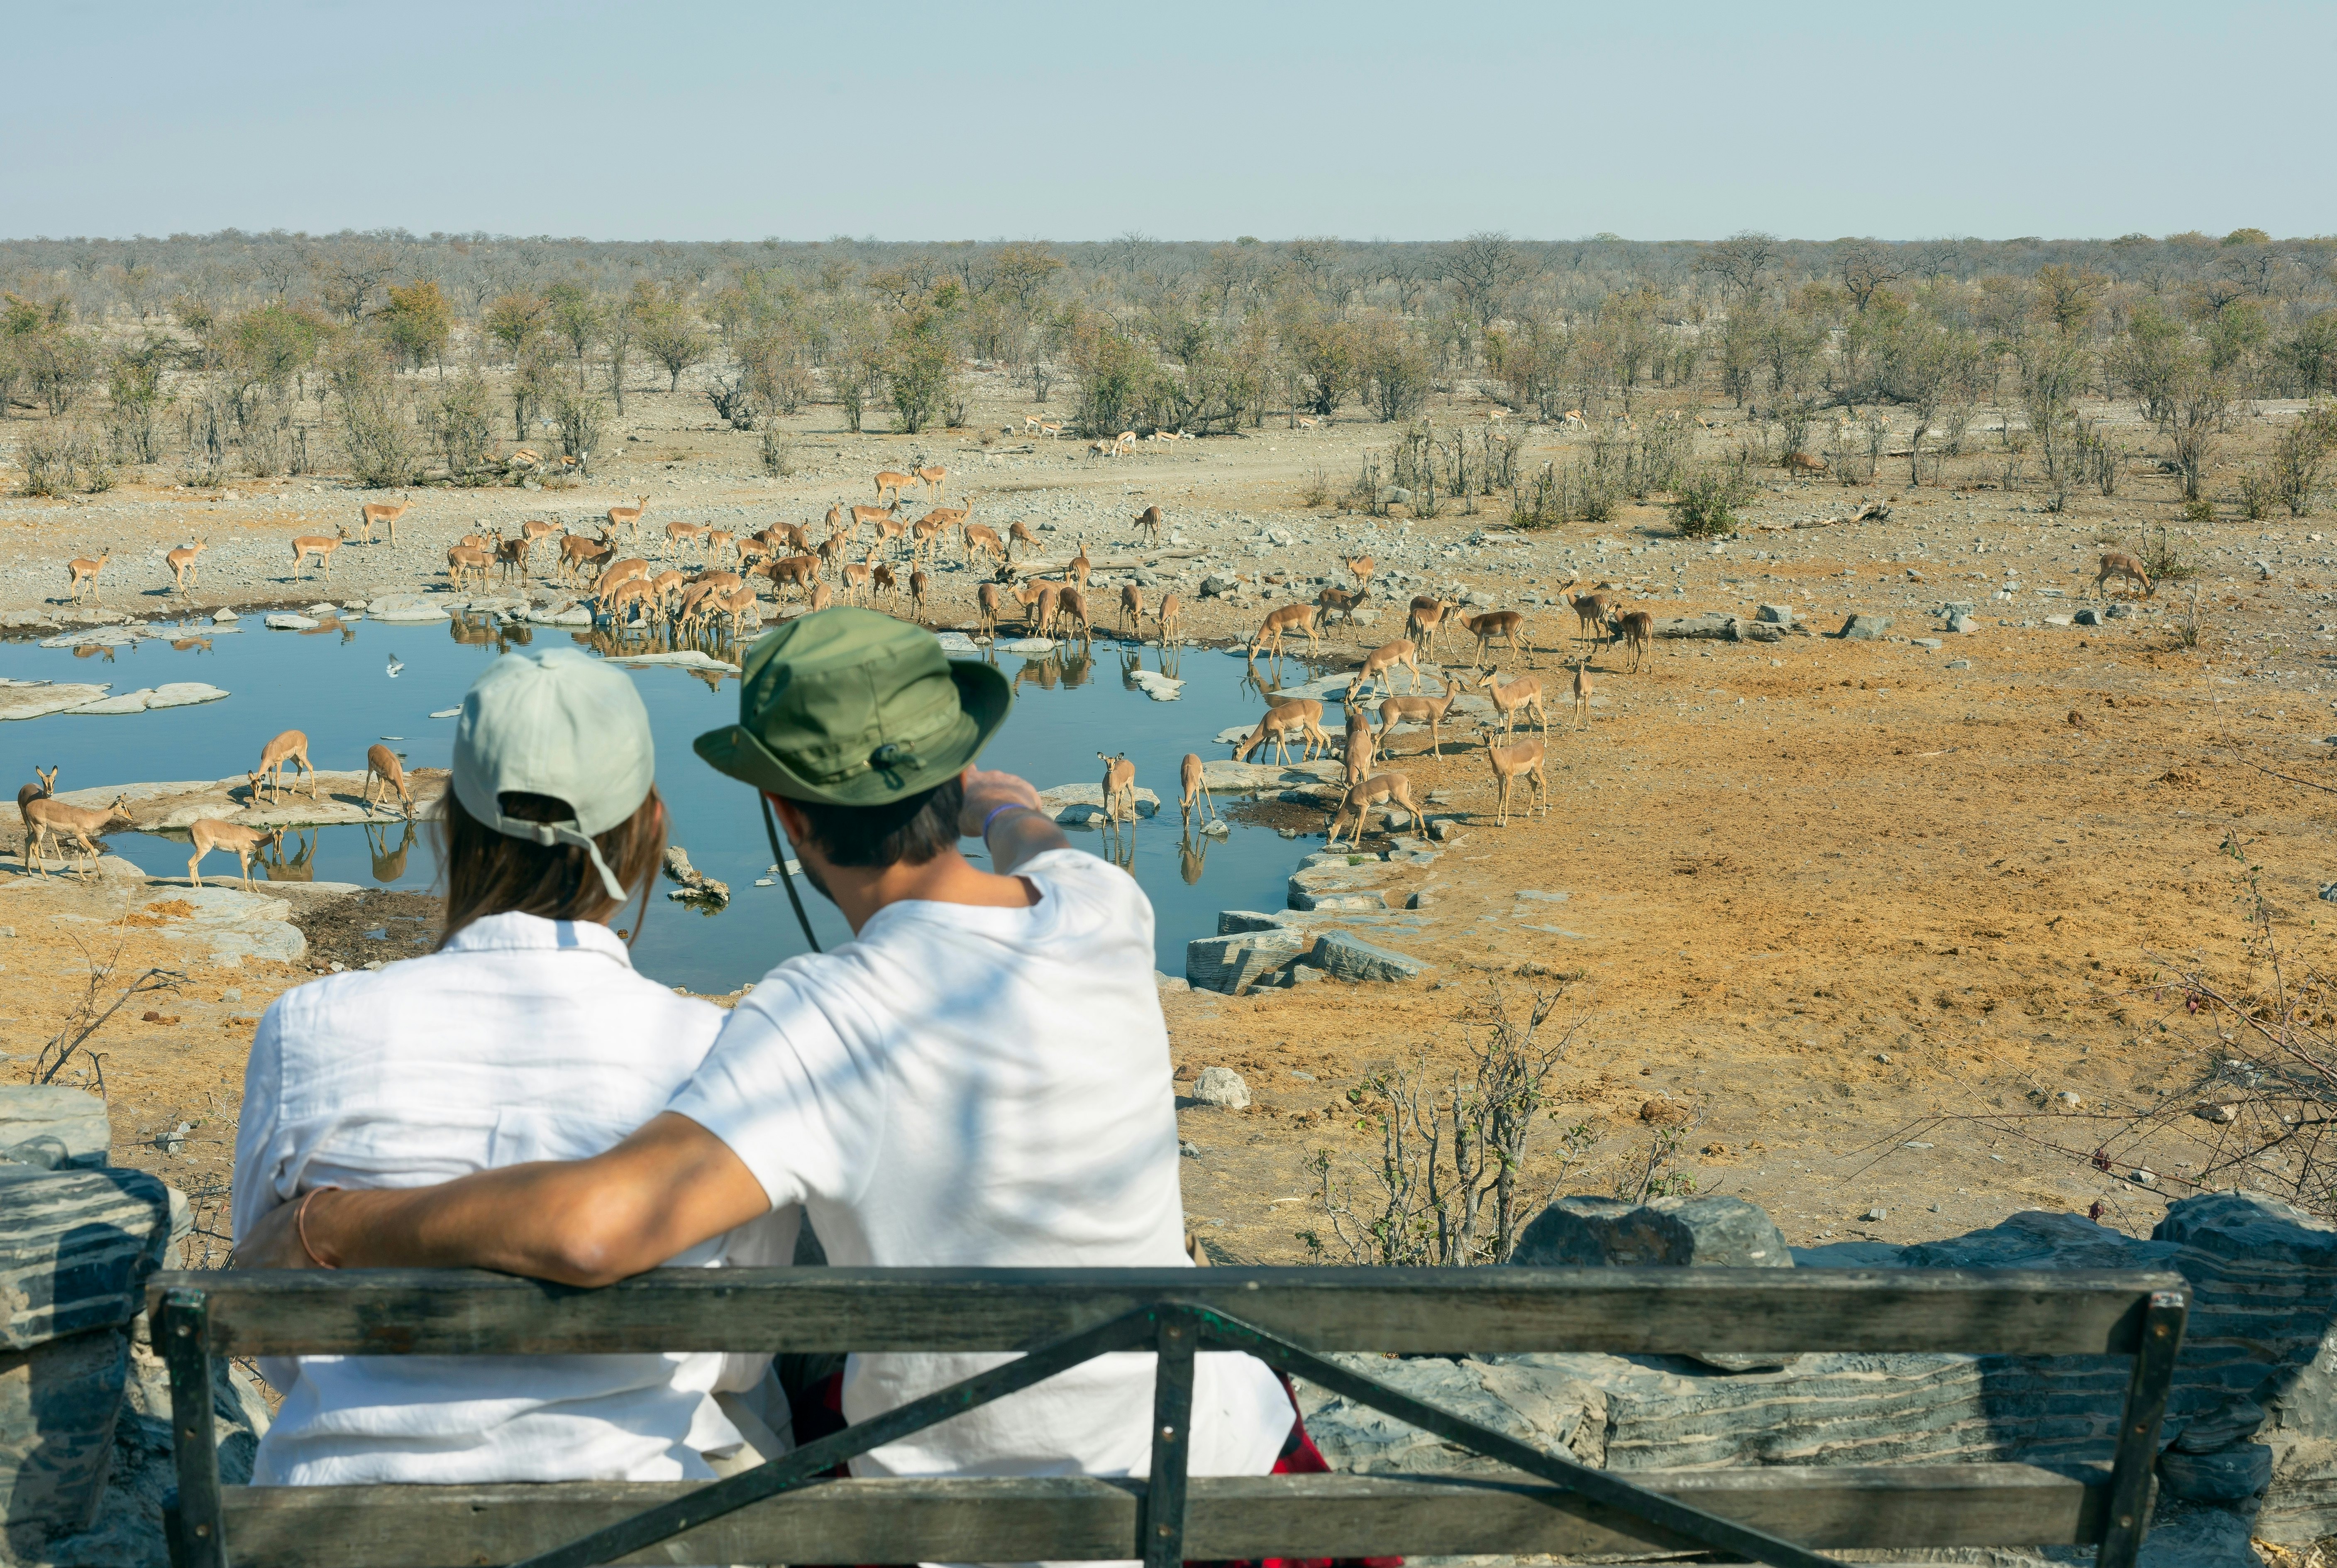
(986, 792)
(1016, 836)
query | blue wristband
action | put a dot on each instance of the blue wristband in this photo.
(1010, 805)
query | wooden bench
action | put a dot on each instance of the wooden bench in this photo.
(785, 1512)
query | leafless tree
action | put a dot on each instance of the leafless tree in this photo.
(1484, 268)
(347, 279)
(1740, 260)
(1865, 267)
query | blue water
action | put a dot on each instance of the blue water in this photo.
(335, 687)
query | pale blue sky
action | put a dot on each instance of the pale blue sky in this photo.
(1182, 120)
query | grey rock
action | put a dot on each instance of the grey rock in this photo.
(1851, 1255)
(53, 1128)
(1718, 1233)
(1963, 625)
(1863, 627)
(1221, 1086)
(1778, 614)
(1759, 631)
(2087, 617)
(2121, 611)
(1169, 982)
(2224, 1476)
(1960, 664)
(1955, 607)
(58, 1401)
(76, 1249)
(1925, 643)
(1233, 963)
(1713, 626)
(1217, 585)
(1232, 922)
(1350, 958)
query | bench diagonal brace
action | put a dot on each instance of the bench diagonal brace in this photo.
(1690, 1526)
(814, 1460)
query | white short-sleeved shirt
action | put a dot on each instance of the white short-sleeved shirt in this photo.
(523, 1039)
(986, 1087)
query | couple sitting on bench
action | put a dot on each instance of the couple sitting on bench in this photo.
(980, 1078)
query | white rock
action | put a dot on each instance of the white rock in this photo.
(33, 699)
(1028, 645)
(183, 694)
(1222, 1086)
(686, 659)
(281, 621)
(1160, 688)
(958, 646)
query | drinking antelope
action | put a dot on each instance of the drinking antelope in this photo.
(2119, 563)
(384, 764)
(1073, 605)
(1381, 790)
(1303, 714)
(1193, 783)
(987, 602)
(1132, 609)
(319, 545)
(1170, 618)
(1525, 691)
(986, 540)
(81, 569)
(208, 833)
(1509, 762)
(380, 511)
(1289, 618)
(1020, 534)
(184, 567)
(48, 817)
(291, 745)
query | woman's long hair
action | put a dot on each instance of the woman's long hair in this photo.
(489, 873)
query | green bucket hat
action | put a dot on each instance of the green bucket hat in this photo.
(851, 708)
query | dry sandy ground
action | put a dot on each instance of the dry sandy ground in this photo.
(1819, 893)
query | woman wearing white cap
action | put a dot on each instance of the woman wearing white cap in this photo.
(527, 1035)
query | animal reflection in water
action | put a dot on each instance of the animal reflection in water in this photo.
(1067, 668)
(300, 865)
(617, 642)
(489, 631)
(388, 864)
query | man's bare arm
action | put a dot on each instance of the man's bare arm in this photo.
(670, 1186)
(1012, 836)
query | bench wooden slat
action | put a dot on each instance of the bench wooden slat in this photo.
(901, 1520)
(1478, 1310)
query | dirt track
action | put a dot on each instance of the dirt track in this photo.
(1817, 890)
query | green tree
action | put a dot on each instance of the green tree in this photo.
(577, 314)
(419, 321)
(670, 334)
(517, 321)
(920, 360)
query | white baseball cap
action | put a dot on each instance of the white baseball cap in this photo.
(559, 723)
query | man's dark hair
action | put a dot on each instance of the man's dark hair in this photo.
(914, 828)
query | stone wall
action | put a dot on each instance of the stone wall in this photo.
(85, 1402)
(2251, 1434)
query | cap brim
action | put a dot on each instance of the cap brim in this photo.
(983, 696)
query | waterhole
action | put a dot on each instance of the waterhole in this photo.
(337, 687)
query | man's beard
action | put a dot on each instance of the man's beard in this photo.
(812, 876)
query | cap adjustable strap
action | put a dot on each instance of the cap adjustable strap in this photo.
(552, 834)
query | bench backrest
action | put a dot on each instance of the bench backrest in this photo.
(784, 1512)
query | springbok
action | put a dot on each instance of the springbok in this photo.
(1193, 783)
(629, 518)
(208, 833)
(82, 569)
(184, 567)
(2119, 563)
(291, 745)
(1426, 615)
(1638, 630)
(1132, 609)
(1170, 618)
(1507, 624)
(890, 483)
(318, 545)
(1379, 661)
(931, 477)
(1590, 616)
(1289, 618)
(1525, 691)
(384, 764)
(1429, 710)
(1303, 714)
(987, 602)
(1510, 761)
(1581, 695)
(1382, 789)
(1119, 787)
(48, 817)
(1148, 521)
(1572, 419)
(381, 512)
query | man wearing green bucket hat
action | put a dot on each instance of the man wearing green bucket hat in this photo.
(980, 1078)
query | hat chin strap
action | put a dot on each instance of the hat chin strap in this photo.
(771, 831)
(553, 834)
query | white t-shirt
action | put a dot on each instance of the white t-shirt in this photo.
(986, 1087)
(524, 1039)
